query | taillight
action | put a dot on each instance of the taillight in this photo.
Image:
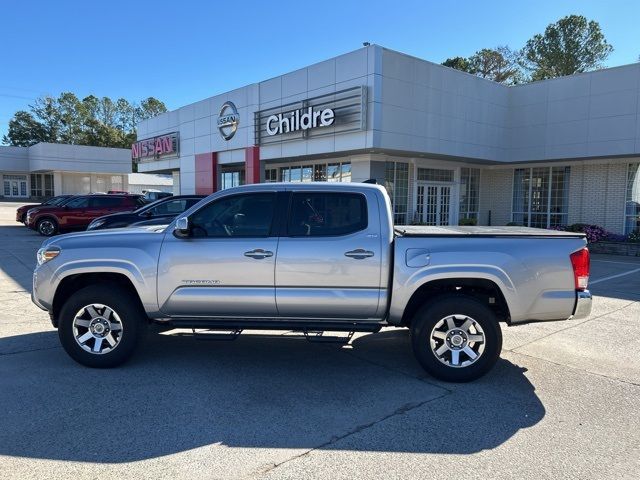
(581, 263)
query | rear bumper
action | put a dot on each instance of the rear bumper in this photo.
(583, 305)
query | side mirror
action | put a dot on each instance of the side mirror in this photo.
(182, 229)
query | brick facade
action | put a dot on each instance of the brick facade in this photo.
(597, 193)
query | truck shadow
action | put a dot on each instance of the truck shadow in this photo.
(178, 394)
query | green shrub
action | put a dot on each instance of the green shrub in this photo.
(467, 222)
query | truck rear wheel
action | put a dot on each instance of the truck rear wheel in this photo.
(456, 338)
(100, 325)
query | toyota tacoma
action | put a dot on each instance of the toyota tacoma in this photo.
(311, 258)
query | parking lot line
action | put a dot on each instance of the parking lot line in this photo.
(611, 277)
(612, 261)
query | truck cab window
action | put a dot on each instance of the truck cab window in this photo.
(248, 215)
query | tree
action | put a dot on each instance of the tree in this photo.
(24, 130)
(459, 63)
(500, 65)
(90, 121)
(571, 45)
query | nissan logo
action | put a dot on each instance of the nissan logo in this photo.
(228, 120)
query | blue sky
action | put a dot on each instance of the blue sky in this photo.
(183, 51)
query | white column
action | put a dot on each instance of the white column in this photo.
(57, 183)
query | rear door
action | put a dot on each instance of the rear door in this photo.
(225, 268)
(329, 260)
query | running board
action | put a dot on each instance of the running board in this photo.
(235, 324)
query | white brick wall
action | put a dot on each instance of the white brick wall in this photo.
(597, 193)
(496, 191)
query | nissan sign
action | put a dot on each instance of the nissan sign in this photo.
(228, 120)
(156, 147)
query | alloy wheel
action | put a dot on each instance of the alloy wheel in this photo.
(97, 328)
(457, 341)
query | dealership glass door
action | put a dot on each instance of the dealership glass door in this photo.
(15, 186)
(433, 204)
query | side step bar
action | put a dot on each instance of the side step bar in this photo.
(230, 329)
(233, 324)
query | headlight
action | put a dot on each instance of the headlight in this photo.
(96, 224)
(47, 253)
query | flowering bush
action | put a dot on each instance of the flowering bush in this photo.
(594, 233)
(634, 236)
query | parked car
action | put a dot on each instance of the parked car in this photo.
(311, 257)
(21, 212)
(153, 195)
(161, 211)
(78, 212)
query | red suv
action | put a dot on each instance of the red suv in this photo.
(78, 212)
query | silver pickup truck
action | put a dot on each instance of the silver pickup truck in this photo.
(319, 257)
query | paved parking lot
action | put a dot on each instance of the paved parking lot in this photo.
(563, 401)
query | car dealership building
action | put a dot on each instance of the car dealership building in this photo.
(47, 169)
(447, 145)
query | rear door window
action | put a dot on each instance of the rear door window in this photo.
(317, 214)
(78, 202)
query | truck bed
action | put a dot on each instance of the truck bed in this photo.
(454, 231)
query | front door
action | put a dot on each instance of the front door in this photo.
(225, 268)
(434, 204)
(330, 258)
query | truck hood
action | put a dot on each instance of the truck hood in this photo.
(116, 237)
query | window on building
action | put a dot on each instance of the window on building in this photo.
(48, 185)
(332, 172)
(632, 211)
(271, 175)
(469, 192)
(435, 175)
(36, 185)
(541, 196)
(232, 179)
(397, 185)
(323, 214)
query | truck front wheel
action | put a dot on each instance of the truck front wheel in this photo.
(99, 325)
(456, 338)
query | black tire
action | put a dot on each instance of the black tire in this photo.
(441, 366)
(128, 314)
(47, 226)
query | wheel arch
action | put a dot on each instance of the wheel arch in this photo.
(75, 282)
(486, 291)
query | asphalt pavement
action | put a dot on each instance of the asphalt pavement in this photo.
(562, 402)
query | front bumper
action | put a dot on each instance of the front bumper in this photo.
(583, 305)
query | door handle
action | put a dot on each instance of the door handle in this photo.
(359, 254)
(258, 254)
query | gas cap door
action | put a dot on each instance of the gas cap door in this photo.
(417, 257)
